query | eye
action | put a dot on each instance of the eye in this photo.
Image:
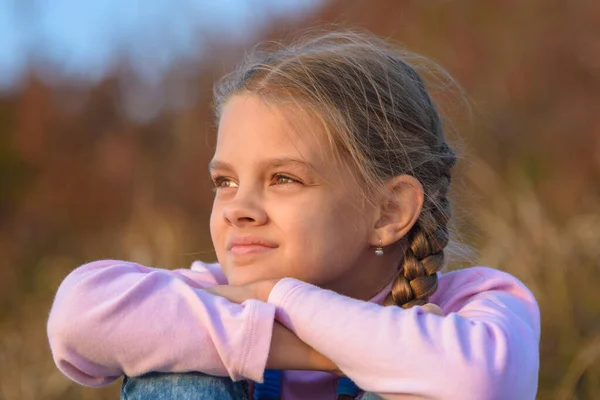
(280, 179)
(221, 182)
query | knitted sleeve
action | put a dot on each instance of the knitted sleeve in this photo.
(485, 347)
(111, 318)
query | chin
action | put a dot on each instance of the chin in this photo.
(239, 278)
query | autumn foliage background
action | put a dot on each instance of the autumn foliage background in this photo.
(80, 179)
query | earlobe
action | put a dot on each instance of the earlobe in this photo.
(400, 206)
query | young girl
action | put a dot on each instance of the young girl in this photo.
(329, 222)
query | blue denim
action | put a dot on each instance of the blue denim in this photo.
(371, 396)
(189, 386)
(182, 386)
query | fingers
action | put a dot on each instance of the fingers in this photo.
(234, 294)
(433, 309)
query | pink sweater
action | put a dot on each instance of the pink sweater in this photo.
(111, 318)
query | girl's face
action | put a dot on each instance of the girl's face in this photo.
(283, 206)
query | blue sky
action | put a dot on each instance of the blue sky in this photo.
(82, 39)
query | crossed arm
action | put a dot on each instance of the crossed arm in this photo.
(112, 318)
(287, 351)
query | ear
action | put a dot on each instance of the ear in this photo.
(400, 205)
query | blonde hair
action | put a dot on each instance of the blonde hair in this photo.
(378, 115)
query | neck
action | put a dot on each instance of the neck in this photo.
(370, 275)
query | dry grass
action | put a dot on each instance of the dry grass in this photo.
(560, 263)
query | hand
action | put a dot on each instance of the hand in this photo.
(433, 309)
(259, 290)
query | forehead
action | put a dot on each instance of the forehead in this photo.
(251, 126)
(252, 131)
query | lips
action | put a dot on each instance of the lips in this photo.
(250, 245)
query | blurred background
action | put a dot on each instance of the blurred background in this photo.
(106, 131)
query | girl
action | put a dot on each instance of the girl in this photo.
(331, 174)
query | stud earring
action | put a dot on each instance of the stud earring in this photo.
(379, 249)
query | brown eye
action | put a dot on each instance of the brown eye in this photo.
(221, 183)
(280, 179)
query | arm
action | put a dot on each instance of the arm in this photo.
(111, 318)
(485, 348)
(287, 351)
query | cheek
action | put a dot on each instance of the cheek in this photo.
(324, 241)
(341, 236)
(216, 227)
(212, 223)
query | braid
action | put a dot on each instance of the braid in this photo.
(424, 255)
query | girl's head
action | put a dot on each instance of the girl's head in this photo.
(326, 150)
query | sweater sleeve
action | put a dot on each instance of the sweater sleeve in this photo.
(111, 318)
(485, 347)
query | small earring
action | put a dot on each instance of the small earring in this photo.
(379, 249)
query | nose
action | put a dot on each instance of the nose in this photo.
(245, 210)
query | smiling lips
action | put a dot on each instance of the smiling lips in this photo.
(249, 245)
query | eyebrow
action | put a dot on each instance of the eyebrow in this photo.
(266, 163)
